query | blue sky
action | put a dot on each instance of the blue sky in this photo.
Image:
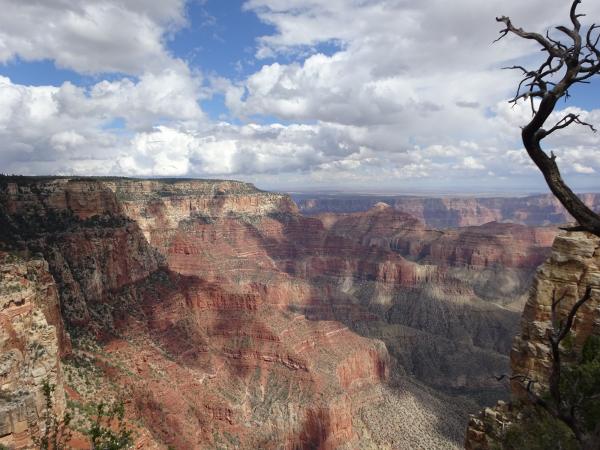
(299, 94)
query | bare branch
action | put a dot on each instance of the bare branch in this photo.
(575, 17)
(569, 322)
(558, 44)
(510, 28)
(564, 123)
(525, 71)
(527, 95)
(572, 62)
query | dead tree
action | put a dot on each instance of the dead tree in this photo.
(573, 60)
(572, 56)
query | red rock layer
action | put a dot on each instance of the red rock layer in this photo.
(232, 320)
(444, 212)
(503, 245)
(257, 374)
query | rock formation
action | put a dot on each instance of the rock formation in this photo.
(177, 330)
(456, 312)
(32, 339)
(444, 212)
(506, 245)
(573, 266)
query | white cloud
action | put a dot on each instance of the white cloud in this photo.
(167, 95)
(75, 129)
(582, 169)
(469, 162)
(226, 150)
(69, 123)
(90, 36)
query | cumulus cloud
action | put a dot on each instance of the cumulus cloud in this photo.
(401, 63)
(170, 94)
(409, 76)
(90, 36)
(227, 149)
(72, 123)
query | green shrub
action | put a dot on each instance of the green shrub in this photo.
(537, 430)
(107, 429)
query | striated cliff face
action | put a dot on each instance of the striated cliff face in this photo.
(272, 257)
(493, 244)
(92, 249)
(32, 339)
(295, 262)
(573, 266)
(455, 329)
(444, 212)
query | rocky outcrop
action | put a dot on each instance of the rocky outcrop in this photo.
(91, 247)
(573, 266)
(445, 212)
(32, 339)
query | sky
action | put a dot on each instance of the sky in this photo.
(294, 95)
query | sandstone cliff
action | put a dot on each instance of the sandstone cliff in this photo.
(336, 272)
(32, 339)
(573, 266)
(505, 245)
(454, 330)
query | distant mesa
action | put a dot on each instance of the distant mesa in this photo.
(381, 206)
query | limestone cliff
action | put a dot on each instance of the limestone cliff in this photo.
(460, 322)
(92, 249)
(32, 339)
(493, 244)
(573, 266)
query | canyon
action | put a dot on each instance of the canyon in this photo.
(227, 318)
